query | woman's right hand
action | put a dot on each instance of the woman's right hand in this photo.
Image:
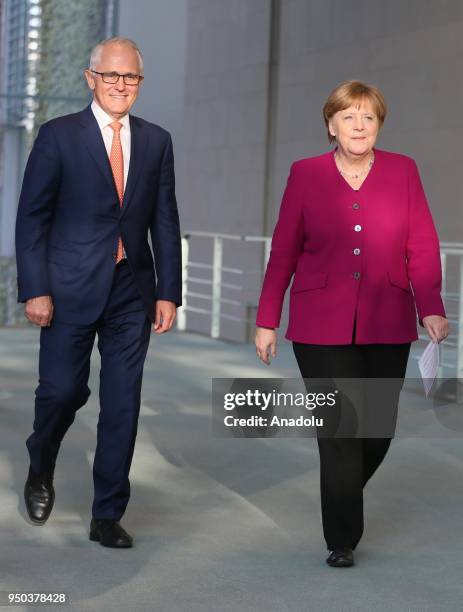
(266, 343)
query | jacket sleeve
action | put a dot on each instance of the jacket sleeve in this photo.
(35, 210)
(423, 251)
(287, 243)
(165, 233)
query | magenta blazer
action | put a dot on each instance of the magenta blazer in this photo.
(354, 254)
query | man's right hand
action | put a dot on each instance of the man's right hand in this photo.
(39, 310)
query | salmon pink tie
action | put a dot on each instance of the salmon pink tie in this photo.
(117, 166)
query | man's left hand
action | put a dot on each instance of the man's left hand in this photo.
(165, 316)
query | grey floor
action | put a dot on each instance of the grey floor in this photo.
(222, 524)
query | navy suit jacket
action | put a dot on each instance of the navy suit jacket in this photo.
(69, 218)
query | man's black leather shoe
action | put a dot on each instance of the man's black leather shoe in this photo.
(39, 496)
(341, 557)
(109, 533)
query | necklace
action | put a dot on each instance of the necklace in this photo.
(359, 174)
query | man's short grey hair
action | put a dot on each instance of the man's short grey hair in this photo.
(97, 49)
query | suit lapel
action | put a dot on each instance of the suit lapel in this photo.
(95, 145)
(138, 142)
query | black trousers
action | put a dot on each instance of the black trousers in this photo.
(346, 464)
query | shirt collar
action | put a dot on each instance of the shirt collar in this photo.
(104, 119)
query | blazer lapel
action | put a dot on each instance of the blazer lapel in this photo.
(138, 142)
(95, 145)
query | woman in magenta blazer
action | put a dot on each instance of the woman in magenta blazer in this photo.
(356, 231)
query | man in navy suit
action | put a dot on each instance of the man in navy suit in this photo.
(96, 183)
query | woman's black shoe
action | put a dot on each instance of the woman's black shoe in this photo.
(341, 557)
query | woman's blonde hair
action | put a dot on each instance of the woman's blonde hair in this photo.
(348, 93)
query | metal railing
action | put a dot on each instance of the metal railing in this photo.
(452, 292)
(216, 282)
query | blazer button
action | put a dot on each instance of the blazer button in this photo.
(356, 205)
(356, 251)
(356, 275)
(357, 228)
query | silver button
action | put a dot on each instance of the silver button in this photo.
(356, 205)
(356, 275)
(356, 251)
(357, 228)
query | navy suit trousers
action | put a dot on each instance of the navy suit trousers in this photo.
(124, 331)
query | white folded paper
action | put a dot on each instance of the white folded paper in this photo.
(429, 364)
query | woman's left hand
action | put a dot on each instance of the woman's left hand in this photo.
(437, 327)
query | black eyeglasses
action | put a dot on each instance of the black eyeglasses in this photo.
(113, 77)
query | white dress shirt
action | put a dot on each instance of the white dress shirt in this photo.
(107, 132)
